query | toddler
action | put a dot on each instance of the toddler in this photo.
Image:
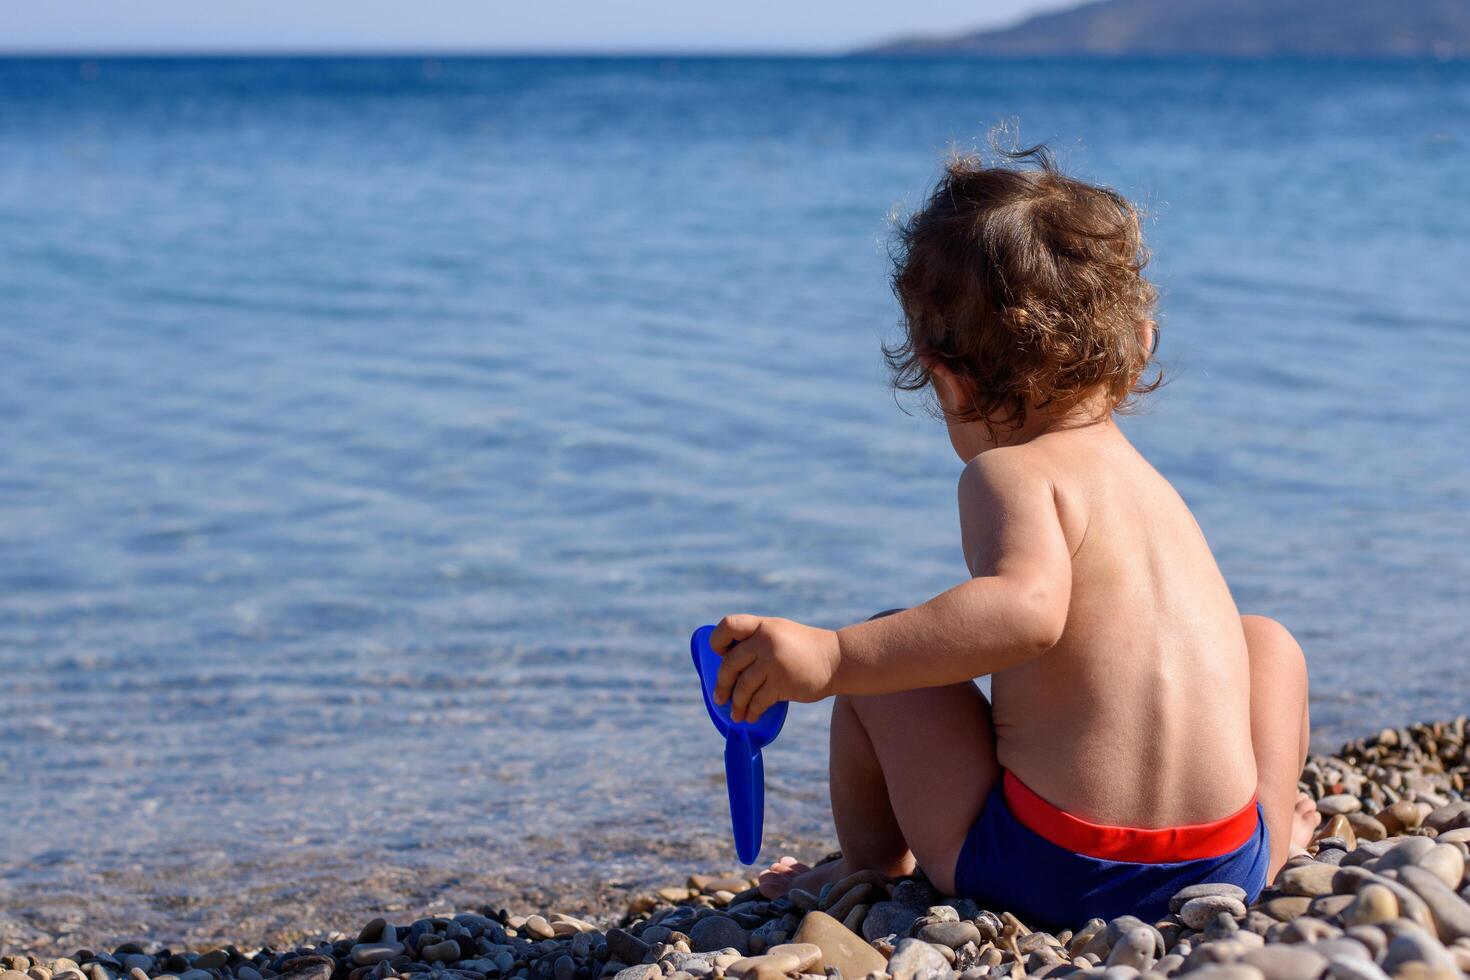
(1143, 735)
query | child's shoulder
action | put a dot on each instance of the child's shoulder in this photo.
(1005, 470)
(1025, 486)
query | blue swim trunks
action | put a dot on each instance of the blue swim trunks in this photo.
(1051, 869)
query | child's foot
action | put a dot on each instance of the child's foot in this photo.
(1304, 822)
(789, 873)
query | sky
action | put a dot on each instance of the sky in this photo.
(488, 25)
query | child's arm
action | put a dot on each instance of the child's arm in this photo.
(1013, 609)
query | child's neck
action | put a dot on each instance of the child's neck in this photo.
(975, 436)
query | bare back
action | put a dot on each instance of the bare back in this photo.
(1140, 714)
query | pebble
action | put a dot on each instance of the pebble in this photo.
(841, 947)
(1450, 912)
(1451, 816)
(1135, 948)
(951, 934)
(1204, 891)
(369, 954)
(1399, 817)
(646, 971)
(1339, 803)
(1197, 912)
(625, 946)
(1227, 971)
(444, 952)
(915, 959)
(1406, 851)
(1381, 894)
(1312, 879)
(1417, 946)
(1446, 862)
(808, 956)
(715, 932)
(1343, 968)
(888, 919)
(1283, 962)
(1287, 908)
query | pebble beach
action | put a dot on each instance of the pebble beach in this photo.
(1381, 893)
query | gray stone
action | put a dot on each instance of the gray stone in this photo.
(1339, 803)
(1286, 962)
(1450, 913)
(445, 952)
(888, 919)
(1198, 912)
(1334, 948)
(565, 968)
(716, 932)
(644, 971)
(1374, 939)
(1203, 891)
(1226, 971)
(1311, 879)
(1451, 816)
(626, 947)
(1308, 930)
(1446, 862)
(1136, 947)
(1406, 851)
(917, 895)
(312, 966)
(1416, 946)
(914, 959)
(370, 954)
(1345, 968)
(951, 934)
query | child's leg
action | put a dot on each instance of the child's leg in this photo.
(929, 761)
(909, 773)
(1280, 732)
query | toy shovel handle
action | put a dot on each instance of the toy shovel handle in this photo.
(745, 777)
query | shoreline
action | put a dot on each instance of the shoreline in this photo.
(1383, 893)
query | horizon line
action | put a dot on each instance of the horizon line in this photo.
(866, 52)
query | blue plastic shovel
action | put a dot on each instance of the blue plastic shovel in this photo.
(745, 774)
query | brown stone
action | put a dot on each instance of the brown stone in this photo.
(841, 947)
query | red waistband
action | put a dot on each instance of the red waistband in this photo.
(1135, 845)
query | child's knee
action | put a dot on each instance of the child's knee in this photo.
(1275, 653)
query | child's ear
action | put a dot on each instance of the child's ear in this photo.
(1148, 336)
(946, 387)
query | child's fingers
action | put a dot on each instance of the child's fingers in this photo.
(731, 668)
(764, 698)
(745, 689)
(731, 630)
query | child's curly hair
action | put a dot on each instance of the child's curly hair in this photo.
(1028, 285)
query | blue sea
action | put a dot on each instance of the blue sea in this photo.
(375, 431)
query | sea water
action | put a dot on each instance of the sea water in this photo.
(376, 431)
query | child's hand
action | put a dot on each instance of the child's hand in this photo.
(768, 660)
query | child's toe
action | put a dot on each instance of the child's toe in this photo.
(776, 880)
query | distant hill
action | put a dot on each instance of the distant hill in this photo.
(1232, 28)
